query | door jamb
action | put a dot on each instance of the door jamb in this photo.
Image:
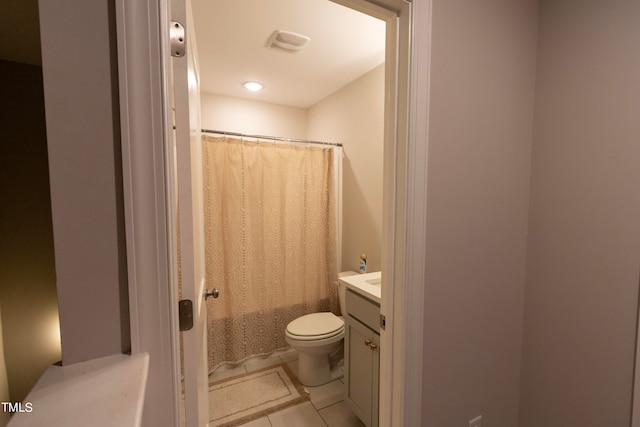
(405, 202)
(153, 313)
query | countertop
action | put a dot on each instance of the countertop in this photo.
(368, 285)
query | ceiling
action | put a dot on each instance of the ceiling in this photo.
(232, 37)
(232, 40)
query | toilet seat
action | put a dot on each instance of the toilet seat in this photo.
(315, 327)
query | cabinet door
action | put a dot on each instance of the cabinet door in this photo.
(361, 371)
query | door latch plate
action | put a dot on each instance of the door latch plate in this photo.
(185, 314)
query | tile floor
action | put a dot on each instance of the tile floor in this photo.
(326, 408)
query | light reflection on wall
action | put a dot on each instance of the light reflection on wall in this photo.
(52, 338)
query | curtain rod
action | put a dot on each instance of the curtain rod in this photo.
(272, 138)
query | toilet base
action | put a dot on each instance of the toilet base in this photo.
(313, 369)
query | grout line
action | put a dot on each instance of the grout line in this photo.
(333, 404)
(322, 418)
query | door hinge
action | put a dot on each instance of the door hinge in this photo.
(177, 39)
(185, 314)
(383, 321)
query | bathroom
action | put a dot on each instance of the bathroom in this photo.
(339, 102)
(473, 315)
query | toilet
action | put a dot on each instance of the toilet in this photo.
(315, 336)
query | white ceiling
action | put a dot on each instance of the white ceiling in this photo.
(232, 36)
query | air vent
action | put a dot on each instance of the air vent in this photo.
(288, 41)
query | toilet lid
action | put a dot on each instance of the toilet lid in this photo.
(316, 326)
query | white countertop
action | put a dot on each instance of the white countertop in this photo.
(368, 285)
(102, 392)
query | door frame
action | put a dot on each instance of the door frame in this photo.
(404, 204)
(149, 236)
(153, 311)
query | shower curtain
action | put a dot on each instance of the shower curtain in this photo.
(270, 236)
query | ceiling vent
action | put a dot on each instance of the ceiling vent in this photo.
(288, 41)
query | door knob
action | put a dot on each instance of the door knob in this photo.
(211, 293)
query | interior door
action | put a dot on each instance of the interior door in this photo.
(186, 84)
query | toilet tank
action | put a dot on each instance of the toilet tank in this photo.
(342, 290)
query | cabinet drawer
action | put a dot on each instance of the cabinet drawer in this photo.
(364, 310)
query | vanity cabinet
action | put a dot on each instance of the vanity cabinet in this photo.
(362, 356)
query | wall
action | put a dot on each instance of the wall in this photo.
(4, 382)
(85, 168)
(226, 113)
(354, 116)
(27, 271)
(481, 118)
(584, 234)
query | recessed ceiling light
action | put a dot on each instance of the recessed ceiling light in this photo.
(253, 86)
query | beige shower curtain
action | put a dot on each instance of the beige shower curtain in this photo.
(270, 235)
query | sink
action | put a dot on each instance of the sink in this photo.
(368, 285)
(377, 281)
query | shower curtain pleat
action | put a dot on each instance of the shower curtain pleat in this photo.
(270, 235)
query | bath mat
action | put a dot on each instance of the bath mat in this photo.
(240, 399)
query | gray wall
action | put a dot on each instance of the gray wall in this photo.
(584, 232)
(481, 118)
(82, 111)
(27, 272)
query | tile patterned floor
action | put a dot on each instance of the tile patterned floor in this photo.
(326, 408)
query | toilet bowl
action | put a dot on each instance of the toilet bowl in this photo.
(315, 336)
